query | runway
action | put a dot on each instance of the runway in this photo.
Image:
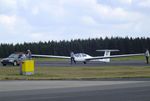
(74, 90)
(136, 63)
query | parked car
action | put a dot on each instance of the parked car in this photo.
(13, 59)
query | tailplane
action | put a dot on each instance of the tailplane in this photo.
(107, 53)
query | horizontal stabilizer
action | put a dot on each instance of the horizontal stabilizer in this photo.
(108, 50)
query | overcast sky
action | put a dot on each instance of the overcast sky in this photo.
(43, 20)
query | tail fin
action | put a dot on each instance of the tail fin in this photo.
(107, 53)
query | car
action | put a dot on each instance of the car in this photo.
(13, 59)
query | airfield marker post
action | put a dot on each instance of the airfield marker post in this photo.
(28, 67)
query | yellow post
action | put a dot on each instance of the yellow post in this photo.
(28, 67)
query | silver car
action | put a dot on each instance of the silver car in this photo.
(14, 59)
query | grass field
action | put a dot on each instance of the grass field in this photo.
(12, 73)
(61, 73)
(129, 58)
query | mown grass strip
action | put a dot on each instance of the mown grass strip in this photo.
(129, 58)
(12, 73)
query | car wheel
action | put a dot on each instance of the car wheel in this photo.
(15, 63)
(4, 64)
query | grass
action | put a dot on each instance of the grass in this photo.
(61, 73)
(12, 73)
(129, 58)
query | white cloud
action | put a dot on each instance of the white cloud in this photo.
(87, 20)
(36, 36)
(14, 28)
(67, 19)
(10, 3)
(144, 3)
(8, 21)
(35, 10)
(129, 2)
(23, 3)
(8, 6)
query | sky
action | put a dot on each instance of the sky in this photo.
(44, 20)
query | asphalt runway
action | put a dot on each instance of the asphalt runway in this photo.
(90, 63)
(74, 90)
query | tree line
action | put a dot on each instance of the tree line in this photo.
(125, 45)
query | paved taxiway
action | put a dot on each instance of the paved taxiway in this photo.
(91, 63)
(74, 90)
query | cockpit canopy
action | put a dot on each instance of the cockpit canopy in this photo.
(81, 55)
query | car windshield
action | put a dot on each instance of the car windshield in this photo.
(13, 56)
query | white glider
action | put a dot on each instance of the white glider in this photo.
(82, 57)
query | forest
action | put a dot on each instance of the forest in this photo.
(126, 45)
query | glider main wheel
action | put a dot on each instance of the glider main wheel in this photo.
(84, 62)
